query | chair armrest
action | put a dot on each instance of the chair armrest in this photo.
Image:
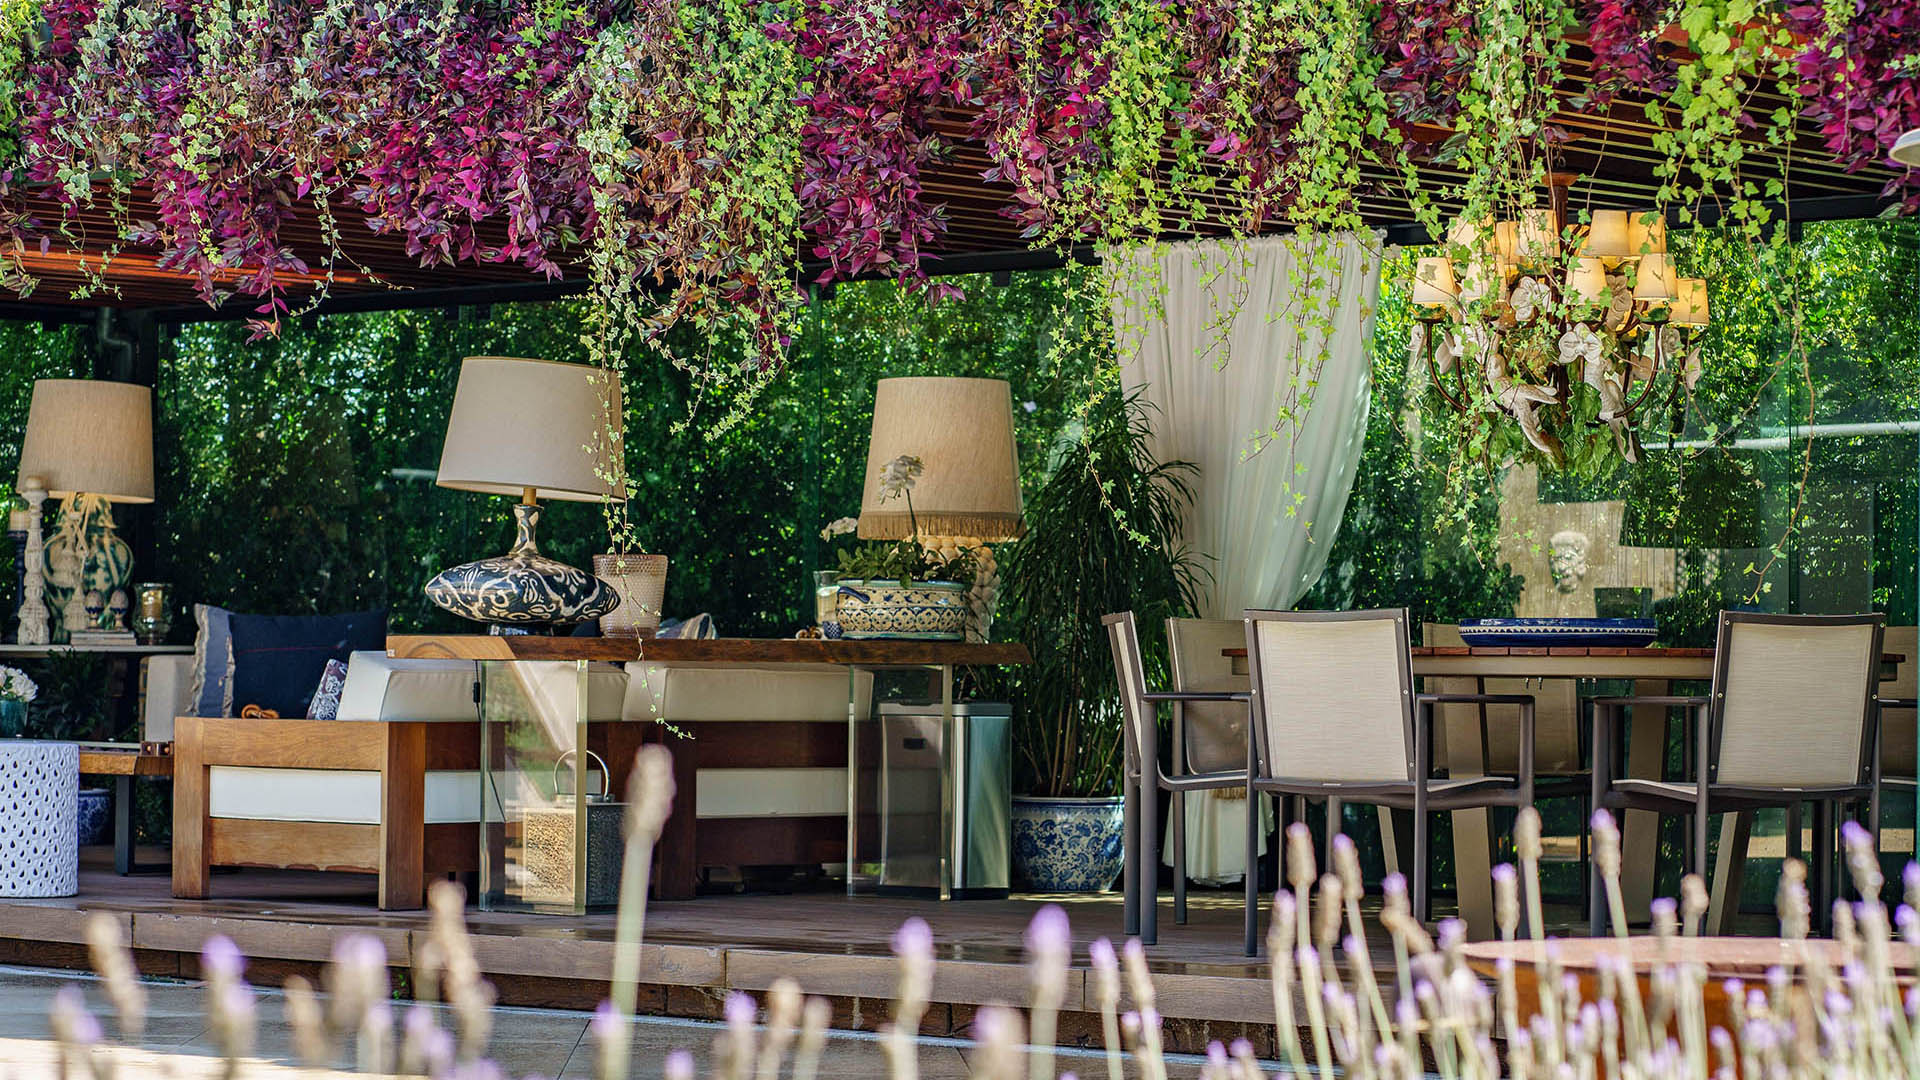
(1897, 703)
(1476, 699)
(1650, 699)
(1198, 695)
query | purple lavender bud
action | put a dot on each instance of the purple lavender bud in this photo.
(1910, 877)
(679, 1066)
(1135, 952)
(1406, 1013)
(1453, 933)
(69, 1011)
(1150, 1018)
(1351, 946)
(221, 958)
(1393, 884)
(741, 1009)
(1216, 1055)
(1913, 1001)
(914, 940)
(1609, 1012)
(1048, 933)
(1101, 953)
(1854, 834)
(605, 1023)
(1505, 874)
(1241, 1047)
(1130, 1022)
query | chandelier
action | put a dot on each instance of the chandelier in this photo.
(1560, 327)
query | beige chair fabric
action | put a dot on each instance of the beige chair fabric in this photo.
(1780, 679)
(1215, 736)
(166, 691)
(1215, 731)
(1556, 717)
(1337, 710)
(1897, 756)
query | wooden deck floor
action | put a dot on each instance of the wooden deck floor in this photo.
(696, 951)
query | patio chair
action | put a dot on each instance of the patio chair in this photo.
(1144, 778)
(1792, 718)
(1335, 718)
(1208, 736)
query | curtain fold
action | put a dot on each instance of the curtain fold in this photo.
(1221, 338)
(1267, 506)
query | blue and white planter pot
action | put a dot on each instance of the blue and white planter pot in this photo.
(1068, 845)
(94, 821)
(918, 611)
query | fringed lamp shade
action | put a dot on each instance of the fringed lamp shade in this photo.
(520, 424)
(962, 432)
(86, 436)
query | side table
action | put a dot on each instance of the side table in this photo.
(39, 812)
(124, 762)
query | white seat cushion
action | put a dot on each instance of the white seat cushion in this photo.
(380, 687)
(699, 693)
(352, 797)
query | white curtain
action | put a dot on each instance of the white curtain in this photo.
(1222, 337)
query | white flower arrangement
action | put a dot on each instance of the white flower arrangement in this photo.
(15, 686)
(898, 476)
(839, 527)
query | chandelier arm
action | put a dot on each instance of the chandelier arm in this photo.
(1659, 364)
(1433, 372)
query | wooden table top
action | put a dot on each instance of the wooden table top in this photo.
(707, 651)
(126, 759)
(1562, 662)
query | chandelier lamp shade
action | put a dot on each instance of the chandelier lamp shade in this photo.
(1539, 316)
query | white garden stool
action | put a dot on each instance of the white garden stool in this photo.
(39, 818)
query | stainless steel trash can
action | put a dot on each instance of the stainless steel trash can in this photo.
(946, 800)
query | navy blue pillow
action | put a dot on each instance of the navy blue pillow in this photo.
(278, 659)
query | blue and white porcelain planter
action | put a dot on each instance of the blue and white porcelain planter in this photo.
(916, 611)
(94, 821)
(1068, 845)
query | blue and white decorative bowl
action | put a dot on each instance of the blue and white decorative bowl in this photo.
(916, 611)
(94, 821)
(1068, 845)
(1537, 633)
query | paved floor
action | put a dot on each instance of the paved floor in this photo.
(526, 1042)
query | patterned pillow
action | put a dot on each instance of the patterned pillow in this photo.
(326, 700)
(212, 692)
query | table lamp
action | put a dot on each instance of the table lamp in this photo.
(1906, 149)
(90, 443)
(536, 429)
(968, 495)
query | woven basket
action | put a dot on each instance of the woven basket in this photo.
(641, 582)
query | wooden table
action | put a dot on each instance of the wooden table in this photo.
(124, 762)
(678, 861)
(1651, 671)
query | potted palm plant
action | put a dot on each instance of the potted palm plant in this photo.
(1102, 536)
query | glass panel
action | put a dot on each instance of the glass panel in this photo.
(534, 842)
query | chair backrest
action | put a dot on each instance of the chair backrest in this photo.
(1215, 731)
(1333, 694)
(1897, 756)
(1136, 714)
(1556, 717)
(1790, 698)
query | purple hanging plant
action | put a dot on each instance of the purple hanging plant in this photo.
(1861, 83)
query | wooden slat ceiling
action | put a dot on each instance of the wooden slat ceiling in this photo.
(1612, 152)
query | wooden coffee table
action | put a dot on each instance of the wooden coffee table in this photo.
(124, 762)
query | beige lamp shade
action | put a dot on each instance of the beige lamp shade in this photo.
(86, 436)
(962, 432)
(1607, 236)
(1433, 284)
(1646, 234)
(1654, 279)
(1588, 279)
(1906, 149)
(1690, 302)
(520, 424)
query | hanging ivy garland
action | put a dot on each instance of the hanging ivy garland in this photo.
(685, 154)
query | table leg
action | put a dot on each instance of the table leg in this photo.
(123, 825)
(1729, 870)
(1640, 840)
(1472, 845)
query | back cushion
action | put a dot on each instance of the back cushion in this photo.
(278, 659)
(212, 693)
(1333, 699)
(1796, 699)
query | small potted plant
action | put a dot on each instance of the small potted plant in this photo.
(16, 689)
(900, 589)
